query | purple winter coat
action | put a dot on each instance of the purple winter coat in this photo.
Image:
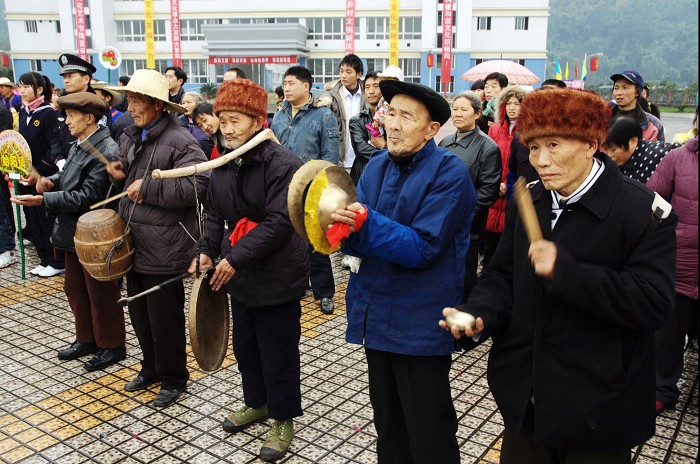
(676, 179)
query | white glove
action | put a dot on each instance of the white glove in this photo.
(60, 164)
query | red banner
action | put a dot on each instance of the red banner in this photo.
(349, 26)
(175, 31)
(447, 8)
(80, 29)
(252, 59)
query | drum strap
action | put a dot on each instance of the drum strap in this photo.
(120, 243)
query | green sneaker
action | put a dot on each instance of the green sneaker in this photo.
(278, 440)
(245, 416)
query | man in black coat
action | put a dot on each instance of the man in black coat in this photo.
(365, 143)
(572, 316)
(264, 266)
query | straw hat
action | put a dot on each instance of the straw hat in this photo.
(150, 83)
(7, 82)
(107, 87)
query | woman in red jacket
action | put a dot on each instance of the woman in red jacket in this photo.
(508, 109)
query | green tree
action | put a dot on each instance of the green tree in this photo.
(208, 90)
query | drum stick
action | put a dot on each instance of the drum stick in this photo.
(95, 152)
(110, 199)
(184, 275)
(527, 211)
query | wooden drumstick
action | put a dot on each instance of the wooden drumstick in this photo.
(95, 152)
(527, 211)
(110, 199)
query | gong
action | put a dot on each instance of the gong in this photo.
(209, 321)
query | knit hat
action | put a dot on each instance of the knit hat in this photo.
(243, 96)
(576, 114)
(85, 102)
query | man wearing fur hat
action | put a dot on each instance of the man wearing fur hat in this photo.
(572, 316)
(162, 216)
(264, 265)
(307, 127)
(99, 320)
(417, 201)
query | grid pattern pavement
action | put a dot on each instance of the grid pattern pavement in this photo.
(55, 411)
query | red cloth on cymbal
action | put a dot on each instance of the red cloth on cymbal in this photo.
(242, 227)
(340, 231)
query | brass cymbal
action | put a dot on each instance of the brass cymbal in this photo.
(297, 193)
(331, 189)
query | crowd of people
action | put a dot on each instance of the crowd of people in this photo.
(588, 323)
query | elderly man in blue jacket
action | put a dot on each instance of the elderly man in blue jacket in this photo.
(417, 202)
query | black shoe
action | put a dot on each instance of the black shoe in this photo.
(327, 306)
(167, 397)
(105, 357)
(140, 383)
(77, 350)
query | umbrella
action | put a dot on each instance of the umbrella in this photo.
(516, 73)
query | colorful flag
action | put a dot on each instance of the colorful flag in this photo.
(566, 73)
(583, 70)
(557, 69)
(576, 70)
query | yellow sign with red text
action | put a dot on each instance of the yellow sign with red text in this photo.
(393, 32)
(150, 37)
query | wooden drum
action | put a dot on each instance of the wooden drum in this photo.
(103, 248)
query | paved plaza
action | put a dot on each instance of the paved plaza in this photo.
(55, 411)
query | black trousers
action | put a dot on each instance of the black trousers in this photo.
(489, 244)
(41, 227)
(521, 449)
(412, 405)
(266, 346)
(471, 263)
(159, 322)
(321, 275)
(6, 203)
(670, 344)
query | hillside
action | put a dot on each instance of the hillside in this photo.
(657, 38)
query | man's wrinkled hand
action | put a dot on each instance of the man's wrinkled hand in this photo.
(222, 275)
(543, 257)
(204, 262)
(456, 332)
(347, 215)
(133, 191)
(116, 170)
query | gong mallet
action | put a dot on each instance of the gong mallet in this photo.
(125, 301)
(527, 211)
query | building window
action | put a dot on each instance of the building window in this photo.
(134, 30)
(377, 64)
(483, 23)
(377, 28)
(410, 68)
(327, 29)
(521, 23)
(191, 29)
(454, 15)
(438, 61)
(439, 40)
(30, 26)
(410, 28)
(196, 71)
(128, 67)
(448, 87)
(35, 65)
(324, 69)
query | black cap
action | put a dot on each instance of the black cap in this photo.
(72, 63)
(437, 106)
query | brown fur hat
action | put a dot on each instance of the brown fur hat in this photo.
(243, 96)
(576, 114)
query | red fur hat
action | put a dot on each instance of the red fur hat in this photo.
(243, 96)
(576, 114)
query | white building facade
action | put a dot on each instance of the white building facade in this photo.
(265, 38)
